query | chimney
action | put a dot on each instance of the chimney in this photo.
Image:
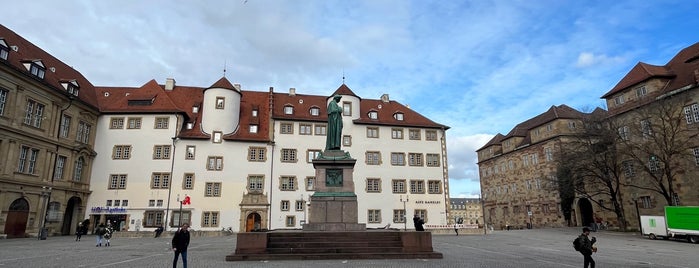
(292, 91)
(384, 98)
(169, 84)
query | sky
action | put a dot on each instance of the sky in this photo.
(479, 67)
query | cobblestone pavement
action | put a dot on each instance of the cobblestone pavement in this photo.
(550, 248)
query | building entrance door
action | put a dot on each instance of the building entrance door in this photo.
(253, 222)
(16, 221)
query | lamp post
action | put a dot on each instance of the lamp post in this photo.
(169, 185)
(405, 212)
(45, 193)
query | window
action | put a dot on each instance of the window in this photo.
(160, 180)
(654, 164)
(65, 126)
(299, 205)
(213, 189)
(398, 186)
(37, 69)
(60, 166)
(4, 50)
(209, 219)
(161, 122)
(220, 102)
(691, 113)
(398, 116)
(373, 185)
(125, 203)
(310, 183)
(152, 219)
(287, 183)
(117, 181)
(645, 202)
(546, 208)
(253, 128)
(397, 133)
(315, 111)
(305, 129)
(548, 152)
(161, 152)
(432, 160)
(83, 132)
(190, 152)
(151, 203)
(696, 155)
(398, 159)
(646, 128)
(422, 213)
(117, 203)
(214, 163)
(160, 203)
(134, 123)
(398, 216)
(256, 183)
(347, 108)
(417, 186)
(373, 115)
(374, 216)
(619, 100)
(288, 109)
(434, 187)
(27, 160)
(34, 113)
(312, 154)
(3, 99)
(121, 152)
(641, 91)
(346, 140)
(178, 218)
(217, 138)
(431, 135)
(549, 128)
(257, 154)
(290, 221)
(288, 155)
(571, 124)
(414, 134)
(415, 159)
(116, 123)
(321, 129)
(188, 181)
(525, 160)
(284, 205)
(78, 169)
(254, 112)
(372, 132)
(373, 158)
(287, 128)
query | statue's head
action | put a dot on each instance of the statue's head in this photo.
(337, 97)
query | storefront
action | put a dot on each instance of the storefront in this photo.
(103, 215)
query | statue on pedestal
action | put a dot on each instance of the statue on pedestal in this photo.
(334, 134)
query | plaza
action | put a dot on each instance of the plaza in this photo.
(518, 248)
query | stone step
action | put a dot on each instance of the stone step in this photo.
(335, 250)
(333, 256)
(334, 244)
(274, 239)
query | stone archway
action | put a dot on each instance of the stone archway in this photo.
(70, 217)
(585, 208)
(16, 221)
(253, 222)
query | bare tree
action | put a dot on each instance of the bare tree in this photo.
(660, 143)
(589, 165)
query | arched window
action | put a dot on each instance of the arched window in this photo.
(78, 171)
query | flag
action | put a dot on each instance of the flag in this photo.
(186, 200)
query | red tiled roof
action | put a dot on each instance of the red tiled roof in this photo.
(344, 90)
(56, 70)
(639, 73)
(251, 100)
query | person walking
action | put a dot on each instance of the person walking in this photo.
(180, 242)
(456, 229)
(587, 248)
(418, 222)
(108, 234)
(79, 231)
(99, 234)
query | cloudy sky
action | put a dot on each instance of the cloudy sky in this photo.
(477, 66)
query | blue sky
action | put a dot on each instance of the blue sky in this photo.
(477, 66)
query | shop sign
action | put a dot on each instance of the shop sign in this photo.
(107, 210)
(428, 202)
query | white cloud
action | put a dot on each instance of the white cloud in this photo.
(589, 59)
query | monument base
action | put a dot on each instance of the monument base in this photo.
(334, 211)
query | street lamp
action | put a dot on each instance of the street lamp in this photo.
(405, 212)
(169, 185)
(45, 193)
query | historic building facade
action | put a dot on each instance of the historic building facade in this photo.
(48, 115)
(466, 211)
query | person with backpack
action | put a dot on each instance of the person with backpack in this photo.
(99, 233)
(585, 246)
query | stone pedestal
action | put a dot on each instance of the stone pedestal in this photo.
(334, 204)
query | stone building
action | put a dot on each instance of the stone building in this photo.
(466, 211)
(48, 112)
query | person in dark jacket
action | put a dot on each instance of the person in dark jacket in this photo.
(418, 223)
(99, 233)
(180, 242)
(587, 248)
(79, 231)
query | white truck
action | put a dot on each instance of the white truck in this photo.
(681, 222)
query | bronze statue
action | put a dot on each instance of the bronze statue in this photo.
(334, 134)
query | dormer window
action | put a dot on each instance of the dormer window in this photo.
(190, 125)
(373, 115)
(72, 87)
(4, 49)
(254, 113)
(220, 102)
(253, 128)
(288, 109)
(619, 100)
(315, 111)
(641, 91)
(398, 116)
(195, 109)
(36, 68)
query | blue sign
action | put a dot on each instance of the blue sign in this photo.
(107, 210)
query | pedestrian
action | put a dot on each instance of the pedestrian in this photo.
(108, 234)
(158, 231)
(418, 222)
(99, 234)
(587, 248)
(456, 229)
(180, 242)
(79, 231)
